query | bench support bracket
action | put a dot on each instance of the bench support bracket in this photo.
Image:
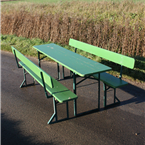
(16, 60)
(39, 59)
(55, 112)
(24, 81)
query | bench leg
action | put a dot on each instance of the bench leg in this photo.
(24, 81)
(105, 94)
(98, 90)
(115, 98)
(55, 108)
(62, 72)
(55, 112)
(75, 107)
(67, 110)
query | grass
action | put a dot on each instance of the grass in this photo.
(115, 26)
(24, 45)
(95, 11)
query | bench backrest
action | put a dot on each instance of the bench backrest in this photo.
(33, 67)
(103, 53)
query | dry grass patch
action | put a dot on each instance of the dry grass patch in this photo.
(115, 26)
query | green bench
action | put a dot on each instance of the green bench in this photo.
(108, 80)
(59, 92)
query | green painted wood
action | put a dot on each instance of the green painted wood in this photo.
(60, 92)
(106, 54)
(34, 75)
(33, 67)
(110, 80)
(73, 61)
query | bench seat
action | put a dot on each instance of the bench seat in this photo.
(110, 80)
(59, 92)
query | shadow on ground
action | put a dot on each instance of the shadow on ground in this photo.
(12, 135)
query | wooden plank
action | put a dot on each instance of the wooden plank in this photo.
(106, 54)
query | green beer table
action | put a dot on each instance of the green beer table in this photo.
(76, 63)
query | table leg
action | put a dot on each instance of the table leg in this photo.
(98, 90)
(39, 58)
(74, 89)
(58, 71)
(74, 83)
(63, 72)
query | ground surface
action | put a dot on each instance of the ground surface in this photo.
(25, 112)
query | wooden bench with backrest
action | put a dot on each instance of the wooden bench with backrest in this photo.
(59, 92)
(108, 80)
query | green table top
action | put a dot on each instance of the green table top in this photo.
(73, 61)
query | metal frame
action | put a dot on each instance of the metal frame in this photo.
(39, 59)
(74, 83)
(58, 71)
(58, 68)
(55, 104)
(49, 96)
(16, 60)
(105, 91)
(25, 80)
(24, 73)
(72, 74)
(120, 76)
(105, 96)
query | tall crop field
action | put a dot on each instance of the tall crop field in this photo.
(116, 26)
